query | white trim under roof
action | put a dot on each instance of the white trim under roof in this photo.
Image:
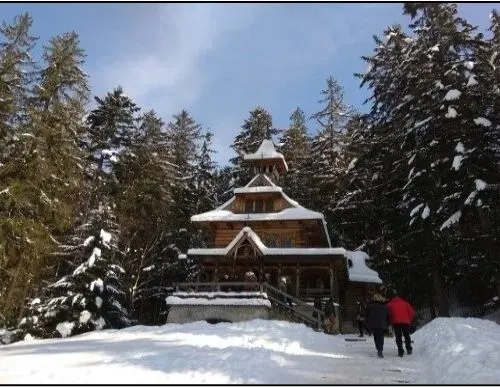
(257, 189)
(293, 213)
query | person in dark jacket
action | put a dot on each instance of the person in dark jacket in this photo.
(317, 305)
(361, 318)
(401, 314)
(377, 319)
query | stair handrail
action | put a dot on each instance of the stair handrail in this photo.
(320, 315)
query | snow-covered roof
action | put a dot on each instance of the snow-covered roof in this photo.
(248, 233)
(266, 151)
(264, 189)
(300, 213)
(222, 214)
(359, 272)
(219, 298)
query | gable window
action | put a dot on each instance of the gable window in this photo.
(248, 206)
(259, 206)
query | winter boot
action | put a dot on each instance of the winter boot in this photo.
(409, 351)
(379, 354)
(401, 352)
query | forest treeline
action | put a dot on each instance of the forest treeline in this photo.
(95, 203)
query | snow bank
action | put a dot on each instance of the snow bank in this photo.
(446, 351)
(459, 350)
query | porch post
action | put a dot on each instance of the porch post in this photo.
(297, 282)
(261, 270)
(332, 281)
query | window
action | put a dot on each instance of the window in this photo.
(270, 169)
(259, 206)
(286, 241)
(269, 205)
(248, 206)
(349, 262)
(270, 240)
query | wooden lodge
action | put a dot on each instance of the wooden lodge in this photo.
(261, 230)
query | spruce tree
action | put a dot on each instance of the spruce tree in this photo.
(295, 148)
(44, 174)
(326, 162)
(255, 129)
(91, 296)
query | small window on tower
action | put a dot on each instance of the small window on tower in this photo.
(259, 206)
(287, 241)
(269, 205)
(248, 206)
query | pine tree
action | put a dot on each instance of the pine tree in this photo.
(17, 70)
(111, 125)
(326, 162)
(204, 176)
(224, 185)
(44, 174)
(296, 148)
(258, 127)
(184, 135)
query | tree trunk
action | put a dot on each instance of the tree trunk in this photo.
(439, 289)
(436, 272)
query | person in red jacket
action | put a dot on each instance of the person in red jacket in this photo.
(401, 314)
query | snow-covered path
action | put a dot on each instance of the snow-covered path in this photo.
(263, 352)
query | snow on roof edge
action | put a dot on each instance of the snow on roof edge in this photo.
(359, 272)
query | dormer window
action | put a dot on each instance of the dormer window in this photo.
(259, 206)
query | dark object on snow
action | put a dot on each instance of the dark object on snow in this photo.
(217, 320)
(352, 339)
(318, 305)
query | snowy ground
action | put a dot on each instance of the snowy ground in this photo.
(454, 350)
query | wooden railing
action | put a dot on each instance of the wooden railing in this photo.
(278, 298)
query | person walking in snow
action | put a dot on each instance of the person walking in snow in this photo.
(377, 319)
(401, 314)
(283, 286)
(360, 317)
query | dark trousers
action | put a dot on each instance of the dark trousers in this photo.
(401, 330)
(378, 337)
(360, 327)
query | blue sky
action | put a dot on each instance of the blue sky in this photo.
(219, 61)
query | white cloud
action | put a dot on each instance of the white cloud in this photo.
(166, 62)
